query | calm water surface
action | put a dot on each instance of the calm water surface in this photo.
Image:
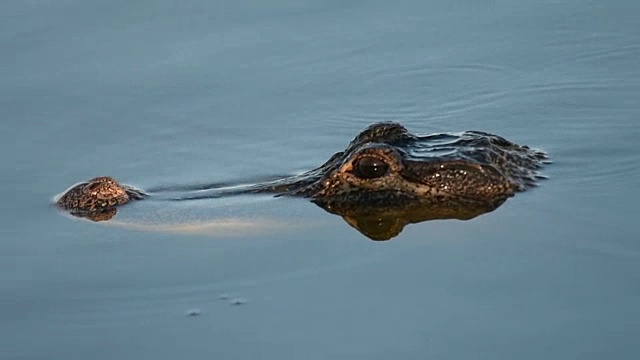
(160, 93)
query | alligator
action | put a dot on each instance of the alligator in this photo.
(386, 178)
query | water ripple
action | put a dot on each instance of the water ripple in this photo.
(624, 51)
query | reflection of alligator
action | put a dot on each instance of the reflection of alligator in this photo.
(384, 179)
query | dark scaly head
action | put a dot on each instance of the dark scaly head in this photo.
(387, 166)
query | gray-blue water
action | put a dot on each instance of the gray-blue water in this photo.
(159, 93)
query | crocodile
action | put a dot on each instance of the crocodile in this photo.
(386, 178)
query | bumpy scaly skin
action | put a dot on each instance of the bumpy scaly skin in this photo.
(98, 195)
(469, 167)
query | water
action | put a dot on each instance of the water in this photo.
(159, 93)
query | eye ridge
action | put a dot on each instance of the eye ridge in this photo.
(370, 167)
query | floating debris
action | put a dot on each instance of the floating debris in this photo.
(238, 301)
(193, 312)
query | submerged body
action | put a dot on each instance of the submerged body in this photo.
(384, 168)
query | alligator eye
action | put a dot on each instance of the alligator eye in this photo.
(370, 168)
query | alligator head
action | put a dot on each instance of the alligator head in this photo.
(384, 179)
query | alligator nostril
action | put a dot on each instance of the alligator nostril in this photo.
(370, 167)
